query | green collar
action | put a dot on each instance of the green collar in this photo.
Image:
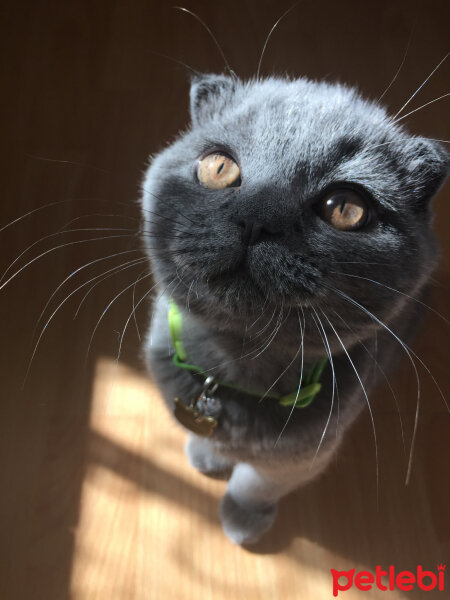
(300, 398)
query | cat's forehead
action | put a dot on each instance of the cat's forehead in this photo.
(303, 110)
(296, 121)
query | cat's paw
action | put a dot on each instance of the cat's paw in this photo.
(202, 457)
(245, 525)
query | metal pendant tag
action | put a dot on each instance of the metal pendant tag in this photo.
(195, 417)
(192, 419)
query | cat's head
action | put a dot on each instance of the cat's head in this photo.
(284, 191)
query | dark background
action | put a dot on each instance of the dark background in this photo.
(87, 96)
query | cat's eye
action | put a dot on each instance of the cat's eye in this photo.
(217, 171)
(344, 209)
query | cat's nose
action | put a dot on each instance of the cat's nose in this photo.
(254, 230)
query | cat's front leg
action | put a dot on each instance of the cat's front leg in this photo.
(249, 506)
(205, 458)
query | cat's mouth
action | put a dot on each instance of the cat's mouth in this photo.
(266, 272)
(257, 279)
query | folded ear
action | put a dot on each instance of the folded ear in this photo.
(428, 164)
(208, 95)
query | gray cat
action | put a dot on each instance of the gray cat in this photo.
(289, 233)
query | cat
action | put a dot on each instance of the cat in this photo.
(289, 231)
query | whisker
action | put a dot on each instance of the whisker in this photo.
(283, 372)
(139, 261)
(63, 228)
(405, 346)
(50, 319)
(270, 336)
(60, 202)
(366, 397)
(378, 366)
(155, 302)
(420, 87)
(337, 416)
(326, 345)
(175, 60)
(401, 64)
(249, 354)
(51, 235)
(71, 200)
(269, 36)
(173, 221)
(420, 107)
(108, 237)
(408, 352)
(133, 312)
(165, 201)
(291, 412)
(277, 329)
(35, 210)
(186, 10)
(398, 292)
(134, 308)
(268, 339)
(265, 305)
(97, 260)
(106, 275)
(109, 305)
(261, 331)
(67, 162)
(188, 307)
(180, 277)
(46, 159)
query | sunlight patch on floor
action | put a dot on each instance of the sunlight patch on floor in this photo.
(148, 525)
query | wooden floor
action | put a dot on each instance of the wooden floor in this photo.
(148, 525)
(97, 500)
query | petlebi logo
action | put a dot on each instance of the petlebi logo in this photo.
(389, 580)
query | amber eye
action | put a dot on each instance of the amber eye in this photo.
(345, 210)
(218, 171)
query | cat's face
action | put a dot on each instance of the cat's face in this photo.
(279, 188)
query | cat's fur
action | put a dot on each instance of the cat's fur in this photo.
(293, 139)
